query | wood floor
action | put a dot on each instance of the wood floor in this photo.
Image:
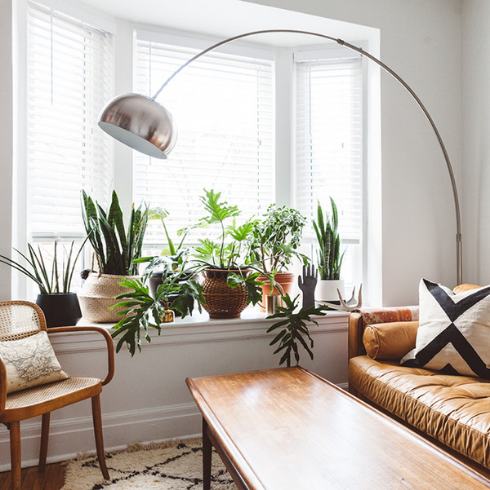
(51, 479)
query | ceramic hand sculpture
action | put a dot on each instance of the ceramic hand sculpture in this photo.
(307, 283)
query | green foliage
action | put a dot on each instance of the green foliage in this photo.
(160, 263)
(222, 254)
(142, 313)
(115, 250)
(249, 282)
(53, 281)
(328, 254)
(161, 214)
(293, 329)
(276, 238)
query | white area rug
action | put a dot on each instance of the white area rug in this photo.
(172, 465)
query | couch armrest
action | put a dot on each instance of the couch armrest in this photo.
(369, 316)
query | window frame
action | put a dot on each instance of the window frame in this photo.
(22, 287)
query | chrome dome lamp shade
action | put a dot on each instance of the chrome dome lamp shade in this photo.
(141, 123)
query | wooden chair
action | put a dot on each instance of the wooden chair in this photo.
(20, 319)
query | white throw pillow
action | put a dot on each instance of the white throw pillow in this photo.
(454, 332)
(30, 362)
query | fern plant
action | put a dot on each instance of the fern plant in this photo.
(328, 253)
(115, 249)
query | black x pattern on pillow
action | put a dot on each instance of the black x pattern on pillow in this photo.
(454, 332)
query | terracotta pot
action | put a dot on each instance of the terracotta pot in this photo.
(98, 294)
(284, 279)
(221, 300)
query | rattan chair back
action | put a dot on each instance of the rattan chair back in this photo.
(20, 319)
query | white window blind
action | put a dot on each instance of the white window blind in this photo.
(329, 147)
(69, 79)
(223, 106)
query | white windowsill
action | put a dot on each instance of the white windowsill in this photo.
(198, 328)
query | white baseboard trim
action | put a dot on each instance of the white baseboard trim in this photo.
(71, 437)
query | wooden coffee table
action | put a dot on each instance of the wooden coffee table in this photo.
(287, 428)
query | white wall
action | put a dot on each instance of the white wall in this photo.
(476, 141)
(421, 41)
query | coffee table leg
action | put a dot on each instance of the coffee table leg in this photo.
(207, 449)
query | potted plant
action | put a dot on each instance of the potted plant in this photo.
(274, 244)
(115, 250)
(328, 256)
(229, 283)
(59, 304)
(292, 329)
(142, 312)
(171, 257)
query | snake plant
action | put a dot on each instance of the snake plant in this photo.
(115, 249)
(328, 254)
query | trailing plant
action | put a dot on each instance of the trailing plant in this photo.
(142, 313)
(293, 329)
(276, 237)
(328, 253)
(162, 263)
(50, 280)
(115, 249)
(171, 257)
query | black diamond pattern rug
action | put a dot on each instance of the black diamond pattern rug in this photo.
(172, 465)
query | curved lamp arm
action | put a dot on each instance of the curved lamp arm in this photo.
(143, 124)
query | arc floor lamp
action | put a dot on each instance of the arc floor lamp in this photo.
(143, 124)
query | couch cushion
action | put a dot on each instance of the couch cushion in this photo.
(454, 332)
(390, 341)
(453, 409)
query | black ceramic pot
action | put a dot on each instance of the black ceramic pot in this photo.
(60, 310)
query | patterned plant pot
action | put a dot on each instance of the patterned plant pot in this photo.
(98, 295)
(221, 300)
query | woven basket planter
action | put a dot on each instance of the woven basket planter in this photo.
(98, 294)
(221, 300)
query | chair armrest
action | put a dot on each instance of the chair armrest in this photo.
(108, 339)
(3, 386)
(359, 320)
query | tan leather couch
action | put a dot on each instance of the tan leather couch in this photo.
(452, 411)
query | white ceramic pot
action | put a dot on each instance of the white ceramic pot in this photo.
(327, 291)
